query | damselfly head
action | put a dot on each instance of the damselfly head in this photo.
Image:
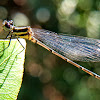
(7, 24)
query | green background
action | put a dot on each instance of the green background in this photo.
(46, 76)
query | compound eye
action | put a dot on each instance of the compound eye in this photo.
(11, 22)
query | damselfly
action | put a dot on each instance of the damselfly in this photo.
(67, 47)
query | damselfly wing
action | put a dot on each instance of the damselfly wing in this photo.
(72, 47)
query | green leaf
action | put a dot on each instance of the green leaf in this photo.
(11, 68)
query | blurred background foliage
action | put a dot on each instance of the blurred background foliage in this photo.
(46, 76)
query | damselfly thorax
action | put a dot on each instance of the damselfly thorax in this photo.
(67, 47)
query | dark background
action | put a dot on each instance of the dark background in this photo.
(46, 76)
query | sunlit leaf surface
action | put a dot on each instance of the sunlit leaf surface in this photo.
(11, 68)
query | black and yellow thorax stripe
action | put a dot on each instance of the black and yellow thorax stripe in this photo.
(22, 32)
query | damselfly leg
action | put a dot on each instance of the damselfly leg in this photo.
(8, 27)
